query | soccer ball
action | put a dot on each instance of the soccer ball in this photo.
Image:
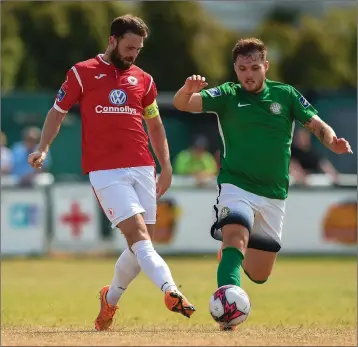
(229, 306)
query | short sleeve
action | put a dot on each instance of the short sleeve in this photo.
(150, 106)
(302, 110)
(214, 98)
(70, 91)
(151, 94)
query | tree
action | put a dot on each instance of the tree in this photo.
(12, 48)
(313, 52)
(51, 37)
(184, 40)
(280, 39)
(284, 14)
(322, 56)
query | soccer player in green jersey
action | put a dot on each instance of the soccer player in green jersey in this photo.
(256, 119)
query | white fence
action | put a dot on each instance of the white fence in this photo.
(66, 218)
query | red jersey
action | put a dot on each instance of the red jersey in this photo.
(112, 103)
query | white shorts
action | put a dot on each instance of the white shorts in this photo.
(263, 214)
(123, 193)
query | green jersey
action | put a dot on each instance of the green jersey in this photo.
(256, 132)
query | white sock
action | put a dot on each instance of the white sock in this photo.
(125, 271)
(153, 265)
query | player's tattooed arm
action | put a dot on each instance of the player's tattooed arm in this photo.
(321, 130)
(327, 136)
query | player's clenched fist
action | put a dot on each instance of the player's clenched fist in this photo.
(340, 146)
(194, 84)
(37, 159)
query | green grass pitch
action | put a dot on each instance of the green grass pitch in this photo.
(307, 301)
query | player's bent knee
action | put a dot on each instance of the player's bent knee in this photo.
(262, 242)
(257, 281)
(235, 235)
(134, 229)
(235, 218)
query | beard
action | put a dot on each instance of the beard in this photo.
(120, 62)
(253, 86)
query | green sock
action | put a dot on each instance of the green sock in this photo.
(229, 267)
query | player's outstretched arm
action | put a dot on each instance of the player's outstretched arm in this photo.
(188, 98)
(327, 136)
(49, 131)
(159, 142)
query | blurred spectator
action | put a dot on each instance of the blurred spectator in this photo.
(196, 161)
(306, 160)
(22, 171)
(6, 156)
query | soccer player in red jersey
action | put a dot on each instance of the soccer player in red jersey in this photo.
(114, 96)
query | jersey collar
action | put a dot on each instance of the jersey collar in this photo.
(99, 58)
(263, 92)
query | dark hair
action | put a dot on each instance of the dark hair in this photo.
(249, 46)
(128, 24)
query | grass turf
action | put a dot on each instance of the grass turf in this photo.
(307, 301)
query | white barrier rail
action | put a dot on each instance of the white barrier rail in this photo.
(66, 217)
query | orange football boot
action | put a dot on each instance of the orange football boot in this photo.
(105, 317)
(177, 302)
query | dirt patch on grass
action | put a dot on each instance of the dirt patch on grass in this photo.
(196, 336)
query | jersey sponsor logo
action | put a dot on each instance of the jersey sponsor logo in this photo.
(60, 95)
(115, 109)
(275, 108)
(214, 92)
(118, 97)
(98, 77)
(304, 102)
(242, 105)
(132, 80)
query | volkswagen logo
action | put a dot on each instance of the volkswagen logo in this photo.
(118, 97)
